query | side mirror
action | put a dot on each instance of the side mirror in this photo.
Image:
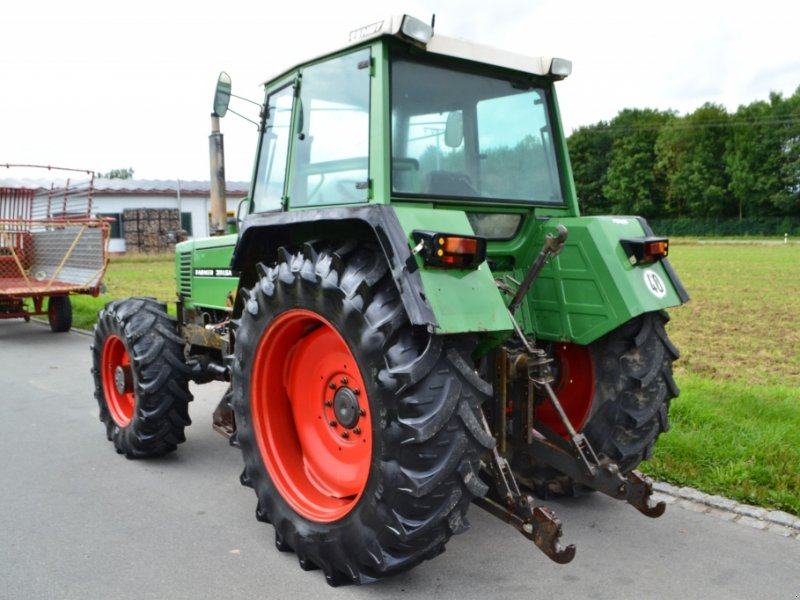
(241, 212)
(222, 95)
(454, 129)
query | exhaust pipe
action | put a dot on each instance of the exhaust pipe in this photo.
(219, 207)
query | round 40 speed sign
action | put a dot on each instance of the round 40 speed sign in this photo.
(654, 283)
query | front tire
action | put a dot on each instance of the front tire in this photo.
(140, 376)
(420, 400)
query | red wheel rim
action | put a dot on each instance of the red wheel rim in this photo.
(574, 387)
(117, 380)
(317, 453)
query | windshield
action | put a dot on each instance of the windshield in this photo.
(463, 135)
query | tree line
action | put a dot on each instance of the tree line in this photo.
(709, 164)
(117, 174)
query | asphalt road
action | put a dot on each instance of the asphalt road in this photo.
(79, 521)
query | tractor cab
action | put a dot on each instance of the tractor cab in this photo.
(403, 115)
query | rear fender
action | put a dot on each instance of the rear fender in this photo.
(442, 301)
(591, 288)
(263, 234)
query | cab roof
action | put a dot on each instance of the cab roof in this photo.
(418, 33)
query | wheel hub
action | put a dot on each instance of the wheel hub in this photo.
(122, 379)
(573, 371)
(311, 415)
(117, 378)
(345, 407)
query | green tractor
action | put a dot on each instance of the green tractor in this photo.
(413, 315)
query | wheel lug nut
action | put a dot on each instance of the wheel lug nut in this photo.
(332, 385)
(362, 412)
(345, 434)
(344, 380)
(328, 403)
(356, 391)
(332, 423)
(357, 430)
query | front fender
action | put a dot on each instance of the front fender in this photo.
(591, 288)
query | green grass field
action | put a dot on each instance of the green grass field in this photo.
(736, 426)
(128, 276)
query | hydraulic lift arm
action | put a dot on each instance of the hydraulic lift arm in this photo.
(574, 456)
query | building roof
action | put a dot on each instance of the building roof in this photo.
(141, 187)
(166, 186)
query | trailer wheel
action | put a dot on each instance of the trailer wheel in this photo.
(59, 313)
(141, 378)
(360, 436)
(617, 391)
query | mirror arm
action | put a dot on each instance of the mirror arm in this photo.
(246, 100)
(258, 125)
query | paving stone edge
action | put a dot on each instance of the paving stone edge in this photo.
(776, 521)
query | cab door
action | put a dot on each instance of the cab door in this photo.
(269, 183)
(331, 145)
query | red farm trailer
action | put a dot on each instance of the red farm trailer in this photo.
(51, 245)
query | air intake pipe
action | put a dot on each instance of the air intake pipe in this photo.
(216, 151)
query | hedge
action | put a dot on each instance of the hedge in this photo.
(755, 226)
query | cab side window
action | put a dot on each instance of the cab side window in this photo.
(331, 146)
(271, 173)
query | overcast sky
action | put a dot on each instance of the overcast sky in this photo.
(119, 84)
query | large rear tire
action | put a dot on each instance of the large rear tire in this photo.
(332, 322)
(630, 394)
(140, 376)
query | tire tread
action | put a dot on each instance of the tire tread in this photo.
(161, 377)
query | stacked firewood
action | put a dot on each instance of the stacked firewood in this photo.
(151, 230)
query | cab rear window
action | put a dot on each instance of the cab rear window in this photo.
(463, 135)
(495, 226)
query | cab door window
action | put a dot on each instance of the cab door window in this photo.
(268, 191)
(331, 147)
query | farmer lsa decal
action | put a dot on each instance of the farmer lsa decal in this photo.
(213, 273)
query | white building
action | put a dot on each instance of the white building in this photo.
(191, 198)
(113, 196)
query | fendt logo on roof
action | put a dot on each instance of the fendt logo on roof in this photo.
(365, 31)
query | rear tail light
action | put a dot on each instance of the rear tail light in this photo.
(645, 250)
(449, 250)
